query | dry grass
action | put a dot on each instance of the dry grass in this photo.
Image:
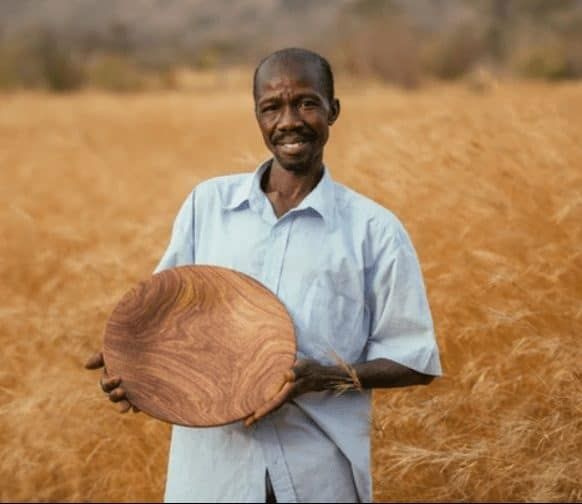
(489, 185)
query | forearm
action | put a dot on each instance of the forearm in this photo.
(378, 373)
(311, 376)
(384, 373)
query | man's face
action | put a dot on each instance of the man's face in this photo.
(294, 114)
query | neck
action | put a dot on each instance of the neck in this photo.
(286, 189)
(291, 185)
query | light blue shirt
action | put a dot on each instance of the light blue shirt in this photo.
(348, 274)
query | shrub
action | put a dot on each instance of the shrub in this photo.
(545, 61)
(61, 70)
(453, 53)
(385, 48)
(115, 73)
(38, 59)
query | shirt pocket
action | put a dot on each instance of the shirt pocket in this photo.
(335, 314)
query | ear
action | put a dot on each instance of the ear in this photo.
(334, 111)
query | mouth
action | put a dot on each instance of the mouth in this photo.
(293, 147)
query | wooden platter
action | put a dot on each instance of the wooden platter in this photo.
(199, 345)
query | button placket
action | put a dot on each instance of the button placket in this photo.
(276, 255)
(274, 458)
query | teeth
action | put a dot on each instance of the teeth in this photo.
(292, 148)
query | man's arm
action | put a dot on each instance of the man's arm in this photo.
(401, 329)
(384, 373)
(311, 376)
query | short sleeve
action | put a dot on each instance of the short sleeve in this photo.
(401, 326)
(180, 251)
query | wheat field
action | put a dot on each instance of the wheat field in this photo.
(488, 183)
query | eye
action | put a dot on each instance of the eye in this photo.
(269, 107)
(308, 103)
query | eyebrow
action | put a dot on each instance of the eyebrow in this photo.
(298, 96)
(308, 94)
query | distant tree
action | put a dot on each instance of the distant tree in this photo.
(60, 69)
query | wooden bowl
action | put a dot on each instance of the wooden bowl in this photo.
(199, 345)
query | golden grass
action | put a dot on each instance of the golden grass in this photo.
(489, 186)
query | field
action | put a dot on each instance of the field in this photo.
(488, 183)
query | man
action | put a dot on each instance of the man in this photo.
(348, 274)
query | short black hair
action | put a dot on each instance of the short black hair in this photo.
(298, 54)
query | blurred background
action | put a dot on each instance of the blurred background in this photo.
(118, 45)
(464, 118)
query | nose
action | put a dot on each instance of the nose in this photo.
(289, 119)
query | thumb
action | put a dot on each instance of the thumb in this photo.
(95, 361)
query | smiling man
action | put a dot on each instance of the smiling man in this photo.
(348, 274)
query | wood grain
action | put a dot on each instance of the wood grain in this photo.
(199, 345)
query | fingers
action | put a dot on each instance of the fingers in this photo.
(287, 391)
(272, 405)
(295, 372)
(108, 384)
(301, 368)
(95, 361)
(117, 395)
(124, 406)
(111, 385)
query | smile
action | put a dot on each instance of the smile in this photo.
(292, 147)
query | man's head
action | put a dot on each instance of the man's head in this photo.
(295, 106)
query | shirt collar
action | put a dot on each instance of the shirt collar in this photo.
(321, 199)
(249, 190)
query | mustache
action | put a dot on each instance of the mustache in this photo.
(297, 136)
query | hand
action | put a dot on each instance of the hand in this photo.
(306, 376)
(110, 385)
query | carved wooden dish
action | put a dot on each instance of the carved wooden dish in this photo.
(199, 345)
